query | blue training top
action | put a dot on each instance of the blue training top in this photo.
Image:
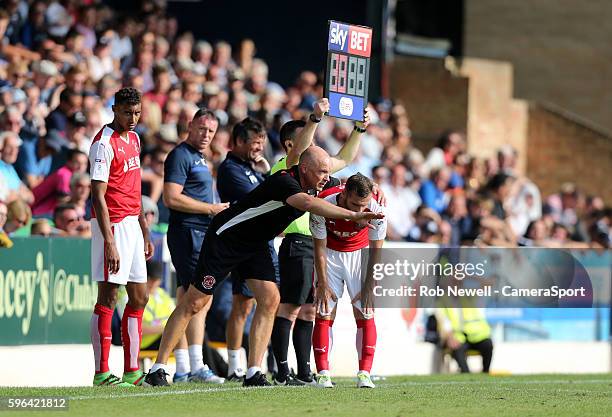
(236, 178)
(187, 167)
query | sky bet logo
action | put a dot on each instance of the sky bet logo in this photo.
(354, 40)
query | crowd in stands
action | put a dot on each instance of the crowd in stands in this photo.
(62, 61)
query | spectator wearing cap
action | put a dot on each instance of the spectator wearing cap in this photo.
(70, 102)
(9, 149)
(35, 160)
(19, 100)
(55, 188)
(44, 76)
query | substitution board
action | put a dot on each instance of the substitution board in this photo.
(348, 69)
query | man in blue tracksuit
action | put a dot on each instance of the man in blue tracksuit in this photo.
(188, 194)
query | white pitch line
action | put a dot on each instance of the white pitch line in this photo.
(156, 392)
(502, 382)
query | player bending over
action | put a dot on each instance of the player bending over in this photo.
(338, 248)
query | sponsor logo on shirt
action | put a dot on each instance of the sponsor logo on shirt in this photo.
(131, 164)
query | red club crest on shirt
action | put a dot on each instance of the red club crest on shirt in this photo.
(208, 282)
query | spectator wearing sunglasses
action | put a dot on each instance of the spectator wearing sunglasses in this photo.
(68, 221)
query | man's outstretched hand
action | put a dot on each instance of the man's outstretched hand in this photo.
(363, 218)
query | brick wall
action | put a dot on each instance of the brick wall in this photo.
(560, 50)
(562, 147)
(494, 117)
(434, 98)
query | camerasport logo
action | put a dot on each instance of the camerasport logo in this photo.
(208, 282)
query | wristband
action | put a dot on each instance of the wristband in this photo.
(359, 129)
(314, 119)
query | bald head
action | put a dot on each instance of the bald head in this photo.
(314, 155)
(315, 167)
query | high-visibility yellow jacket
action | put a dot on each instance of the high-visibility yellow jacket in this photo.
(468, 324)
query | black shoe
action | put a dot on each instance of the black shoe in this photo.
(156, 379)
(289, 380)
(308, 379)
(257, 380)
(235, 378)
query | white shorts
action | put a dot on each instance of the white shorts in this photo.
(130, 245)
(343, 268)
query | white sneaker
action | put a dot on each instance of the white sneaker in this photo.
(364, 380)
(324, 381)
(206, 375)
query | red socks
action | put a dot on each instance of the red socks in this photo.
(321, 343)
(131, 335)
(366, 343)
(100, 329)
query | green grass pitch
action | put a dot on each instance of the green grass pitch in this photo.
(439, 395)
